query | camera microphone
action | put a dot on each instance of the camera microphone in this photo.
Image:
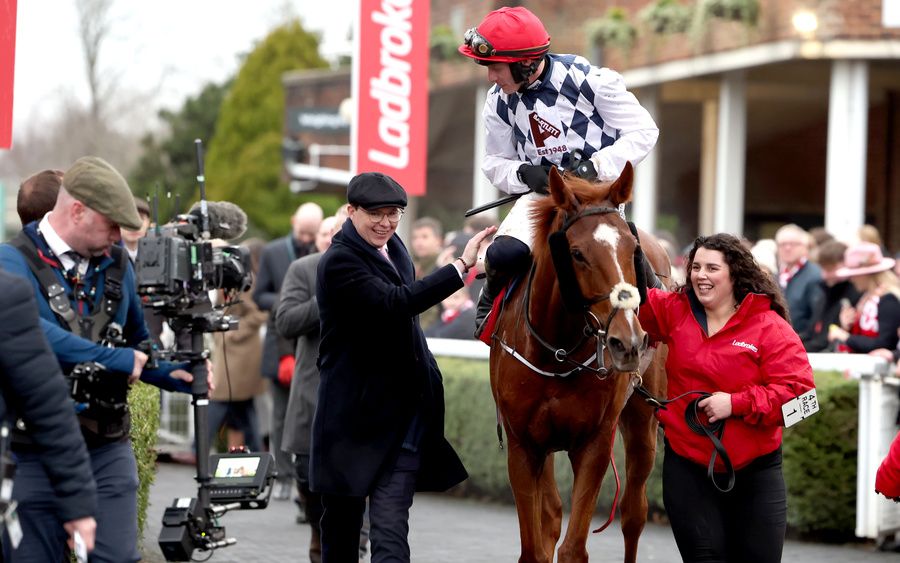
(226, 220)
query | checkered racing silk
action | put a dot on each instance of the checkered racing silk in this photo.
(574, 106)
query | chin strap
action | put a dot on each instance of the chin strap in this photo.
(521, 71)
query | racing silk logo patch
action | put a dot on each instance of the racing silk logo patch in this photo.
(541, 129)
(744, 345)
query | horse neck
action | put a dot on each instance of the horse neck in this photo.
(546, 310)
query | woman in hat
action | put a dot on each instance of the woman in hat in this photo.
(873, 323)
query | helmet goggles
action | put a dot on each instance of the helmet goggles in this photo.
(482, 48)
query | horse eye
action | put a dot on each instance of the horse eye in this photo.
(577, 255)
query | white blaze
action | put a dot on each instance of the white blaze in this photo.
(604, 234)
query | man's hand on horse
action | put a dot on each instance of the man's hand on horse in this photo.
(535, 176)
(717, 406)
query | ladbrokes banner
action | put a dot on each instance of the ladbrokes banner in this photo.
(7, 64)
(391, 90)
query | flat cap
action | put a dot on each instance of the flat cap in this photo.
(371, 190)
(95, 183)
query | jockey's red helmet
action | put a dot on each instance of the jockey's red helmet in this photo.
(506, 35)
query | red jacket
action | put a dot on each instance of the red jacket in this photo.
(887, 480)
(756, 356)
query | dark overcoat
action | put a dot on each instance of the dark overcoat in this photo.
(274, 261)
(32, 387)
(298, 318)
(376, 370)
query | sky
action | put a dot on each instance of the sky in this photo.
(162, 51)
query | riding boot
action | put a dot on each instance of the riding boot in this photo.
(494, 283)
(504, 259)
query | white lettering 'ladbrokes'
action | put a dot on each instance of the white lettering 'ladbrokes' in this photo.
(392, 86)
(744, 345)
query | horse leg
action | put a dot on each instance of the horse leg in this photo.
(551, 508)
(589, 463)
(638, 426)
(525, 469)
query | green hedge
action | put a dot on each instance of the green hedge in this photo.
(819, 453)
(820, 463)
(143, 400)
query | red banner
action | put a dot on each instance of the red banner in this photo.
(7, 66)
(391, 90)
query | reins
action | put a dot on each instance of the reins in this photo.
(574, 301)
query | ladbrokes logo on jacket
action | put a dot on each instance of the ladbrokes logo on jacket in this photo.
(746, 345)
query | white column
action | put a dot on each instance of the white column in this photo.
(731, 150)
(706, 206)
(644, 200)
(482, 190)
(845, 175)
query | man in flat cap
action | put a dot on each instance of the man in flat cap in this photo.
(379, 429)
(85, 285)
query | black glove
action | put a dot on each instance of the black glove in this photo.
(580, 165)
(535, 177)
(585, 170)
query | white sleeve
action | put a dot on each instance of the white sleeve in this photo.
(501, 163)
(620, 110)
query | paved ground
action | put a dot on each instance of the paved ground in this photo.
(443, 529)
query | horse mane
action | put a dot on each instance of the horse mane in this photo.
(547, 218)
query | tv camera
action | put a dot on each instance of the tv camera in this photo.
(178, 265)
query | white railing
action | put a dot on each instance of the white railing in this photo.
(876, 516)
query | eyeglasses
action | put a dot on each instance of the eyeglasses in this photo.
(393, 216)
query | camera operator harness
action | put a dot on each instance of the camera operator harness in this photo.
(101, 397)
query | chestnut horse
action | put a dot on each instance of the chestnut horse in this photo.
(565, 355)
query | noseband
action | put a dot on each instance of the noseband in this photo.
(621, 296)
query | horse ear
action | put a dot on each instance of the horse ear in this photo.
(558, 190)
(620, 191)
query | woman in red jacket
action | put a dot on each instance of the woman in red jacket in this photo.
(729, 335)
(887, 479)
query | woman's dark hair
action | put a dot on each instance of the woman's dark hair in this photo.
(746, 274)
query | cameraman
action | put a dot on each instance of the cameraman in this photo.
(71, 254)
(31, 383)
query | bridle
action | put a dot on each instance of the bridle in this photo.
(575, 301)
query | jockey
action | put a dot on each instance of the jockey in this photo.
(543, 107)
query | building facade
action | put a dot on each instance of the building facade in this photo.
(770, 111)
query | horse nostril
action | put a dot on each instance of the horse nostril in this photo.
(615, 345)
(646, 342)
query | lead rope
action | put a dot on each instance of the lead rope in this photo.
(615, 502)
(713, 431)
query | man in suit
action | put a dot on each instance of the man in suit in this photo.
(278, 352)
(34, 389)
(378, 431)
(298, 318)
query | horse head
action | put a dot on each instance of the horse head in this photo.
(591, 249)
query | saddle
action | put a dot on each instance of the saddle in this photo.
(496, 308)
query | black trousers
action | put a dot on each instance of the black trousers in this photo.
(389, 504)
(744, 525)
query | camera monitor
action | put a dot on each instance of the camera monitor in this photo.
(244, 478)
